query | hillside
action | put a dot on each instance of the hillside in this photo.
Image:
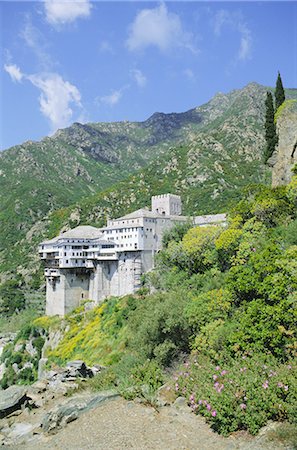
(206, 154)
(214, 323)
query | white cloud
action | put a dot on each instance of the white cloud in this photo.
(235, 21)
(35, 40)
(113, 98)
(245, 43)
(14, 72)
(66, 11)
(55, 99)
(160, 28)
(139, 77)
(188, 73)
(106, 47)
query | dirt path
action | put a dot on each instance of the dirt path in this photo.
(120, 425)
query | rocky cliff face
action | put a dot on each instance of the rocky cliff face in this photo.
(285, 156)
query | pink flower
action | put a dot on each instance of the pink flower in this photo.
(214, 377)
(200, 402)
(213, 413)
(280, 385)
(192, 397)
(265, 384)
(208, 407)
(289, 366)
(223, 372)
(242, 405)
(176, 386)
(286, 388)
(218, 368)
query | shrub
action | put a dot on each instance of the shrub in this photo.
(176, 233)
(208, 306)
(38, 344)
(199, 247)
(243, 393)
(159, 328)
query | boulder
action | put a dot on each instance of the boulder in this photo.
(12, 399)
(165, 396)
(79, 369)
(70, 411)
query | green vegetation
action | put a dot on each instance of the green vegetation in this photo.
(25, 357)
(17, 321)
(12, 298)
(270, 128)
(279, 92)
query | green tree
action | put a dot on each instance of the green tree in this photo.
(279, 92)
(270, 128)
(12, 298)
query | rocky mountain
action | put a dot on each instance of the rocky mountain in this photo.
(285, 155)
(206, 155)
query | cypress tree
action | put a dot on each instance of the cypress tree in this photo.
(270, 128)
(279, 92)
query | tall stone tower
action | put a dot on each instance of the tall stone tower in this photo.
(167, 204)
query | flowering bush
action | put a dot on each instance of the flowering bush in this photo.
(241, 394)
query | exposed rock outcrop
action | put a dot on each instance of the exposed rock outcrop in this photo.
(11, 400)
(285, 157)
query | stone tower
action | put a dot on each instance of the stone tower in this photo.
(167, 204)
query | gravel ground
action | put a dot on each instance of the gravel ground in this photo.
(119, 424)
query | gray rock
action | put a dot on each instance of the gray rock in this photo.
(70, 411)
(21, 430)
(40, 386)
(15, 368)
(180, 401)
(41, 368)
(12, 399)
(79, 368)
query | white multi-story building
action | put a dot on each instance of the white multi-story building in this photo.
(94, 263)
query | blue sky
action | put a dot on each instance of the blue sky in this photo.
(66, 61)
